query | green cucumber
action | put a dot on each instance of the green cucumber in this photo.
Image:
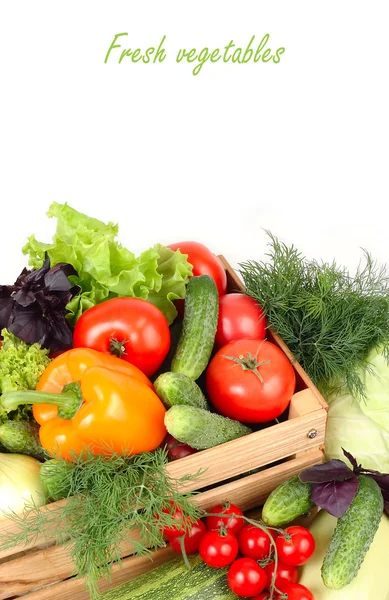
(200, 428)
(354, 532)
(173, 581)
(199, 327)
(286, 502)
(177, 388)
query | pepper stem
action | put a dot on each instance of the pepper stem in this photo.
(68, 401)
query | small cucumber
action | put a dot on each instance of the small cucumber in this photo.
(201, 429)
(199, 327)
(177, 388)
(354, 532)
(286, 502)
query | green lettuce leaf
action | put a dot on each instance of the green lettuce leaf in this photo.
(362, 426)
(105, 268)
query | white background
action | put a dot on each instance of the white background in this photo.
(300, 148)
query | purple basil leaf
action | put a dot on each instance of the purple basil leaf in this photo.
(61, 333)
(351, 458)
(24, 298)
(33, 277)
(386, 507)
(56, 280)
(383, 482)
(332, 470)
(6, 306)
(28, 326)
(335, 496)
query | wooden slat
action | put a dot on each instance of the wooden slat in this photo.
(248, 493)
(253, 451)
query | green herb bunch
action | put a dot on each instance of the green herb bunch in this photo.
(108, 499)
(329, 318)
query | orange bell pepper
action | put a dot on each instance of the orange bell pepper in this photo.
(87, 399)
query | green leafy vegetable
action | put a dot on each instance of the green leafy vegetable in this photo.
(329, 318)
(21, 366)
(362, 427)
(108, 500)
(106, 269)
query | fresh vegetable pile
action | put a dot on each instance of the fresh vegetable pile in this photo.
(112, 365)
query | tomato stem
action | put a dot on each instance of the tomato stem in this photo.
(249, 363)
(117, 347)
(181, 539)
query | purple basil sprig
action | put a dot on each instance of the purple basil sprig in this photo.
(335, 484)
(34, 307)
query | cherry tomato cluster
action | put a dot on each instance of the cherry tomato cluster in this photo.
(225, 539)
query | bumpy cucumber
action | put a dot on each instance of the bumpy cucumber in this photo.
(177, 388)
(173, 581)
(199, 327)
(354, 532)
(288, 501)
(200, 428)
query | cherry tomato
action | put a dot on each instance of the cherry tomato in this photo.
(204, 262)
(251, 381)
(240, 317)
(218, 549)
(232, 524)
(182, 522)
(246, 578)
(131, 328)
(295, 546)
(191, 539)
(254, 542)
(296, 591)
(285, 573)
(176, 449)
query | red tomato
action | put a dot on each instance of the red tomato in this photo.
(232, 524)
(296, 591)
(240, 317)
(131, 328)
(246, 578)
(182, 522)
(285, 573)
(204, 262)
(191, 539)
(218, 549)
(254, 542)
(251, 381)
(295, 546)
(176, 449)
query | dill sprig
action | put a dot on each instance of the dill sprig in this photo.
(108, 498)
(329, 318)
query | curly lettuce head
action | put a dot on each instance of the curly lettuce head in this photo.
(106, 269)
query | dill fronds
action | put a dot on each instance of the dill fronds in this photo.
(110, 501)
(329, 318)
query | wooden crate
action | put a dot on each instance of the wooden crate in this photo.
(44, 571)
